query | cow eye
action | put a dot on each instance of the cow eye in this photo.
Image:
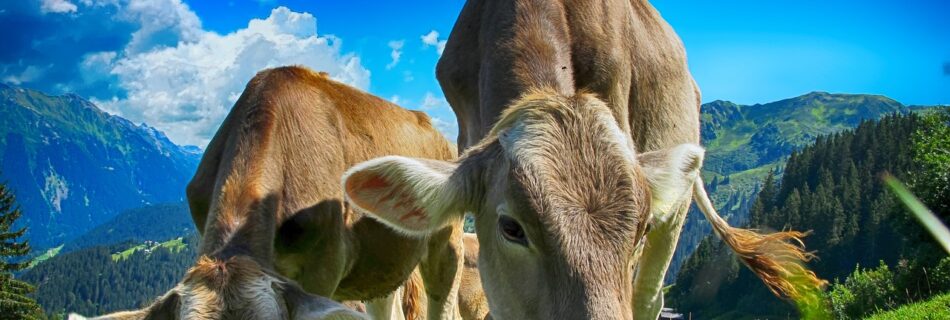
(511, 230)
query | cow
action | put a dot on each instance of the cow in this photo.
(579, 122)
(472, 302)
(276, 235)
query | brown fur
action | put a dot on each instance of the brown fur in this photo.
(413, 298)
(622, 51)
(268, 201)
(472, 302)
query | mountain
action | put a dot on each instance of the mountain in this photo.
(743, 137)
(744, 142)
(73, 166)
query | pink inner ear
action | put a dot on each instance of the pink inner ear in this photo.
(375, 182)
(415, 213)
(376, 194)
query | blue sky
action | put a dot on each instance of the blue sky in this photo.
(178, 66)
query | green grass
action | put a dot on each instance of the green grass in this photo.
(128, 252)
(46, 255)
(174, 245)
(936, 308)
(820, 113)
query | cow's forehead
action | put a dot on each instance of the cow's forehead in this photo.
(575, 168)
(235, 288)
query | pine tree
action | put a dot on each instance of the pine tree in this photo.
(763, 205)
(14, 300)
(793, 209)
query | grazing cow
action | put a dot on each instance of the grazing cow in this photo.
(267, 193)
(472, 302)
(581, 124)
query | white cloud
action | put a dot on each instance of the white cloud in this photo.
(164, 23)
(431, 102)
(187, 90)
(431, 39)
(407, 76)
(57, 6)
(160, 23)
(438, 109)
(97, 66)
(29, 74)
(98, 59)
(396, 100)
(442, 119)
(396, 47)
(448, 128)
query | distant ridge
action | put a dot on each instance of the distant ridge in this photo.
(73, 166)
(744, 142)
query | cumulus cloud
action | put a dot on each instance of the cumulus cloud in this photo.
(30, 73)
(162, 23)
(449, 128)
(430, 102)
(396, 99)
(37, 39)
(96, 66)
(443, 118)
(431, 39)
(187, 90)
(396, 53)
(57, 6)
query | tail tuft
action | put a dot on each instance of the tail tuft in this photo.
(413, 297)
(777, 258)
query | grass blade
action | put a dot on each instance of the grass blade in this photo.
(924, 215)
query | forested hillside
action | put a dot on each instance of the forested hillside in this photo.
(103, 279)
(745, 142)
(154, 222)
(121, 264)
(833, 188)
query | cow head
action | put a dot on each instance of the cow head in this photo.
(560, 198)
(236, 288)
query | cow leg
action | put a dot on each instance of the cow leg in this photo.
(654, 261)
(441, 270)
(386, 308)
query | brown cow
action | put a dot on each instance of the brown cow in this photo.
(268, 194)
(581, 122)
(472, 302)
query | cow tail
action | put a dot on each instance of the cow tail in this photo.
(776, 258)
(414, 297)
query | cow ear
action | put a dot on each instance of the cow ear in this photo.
(671, 173)
(304, 306)
(415, 196)
(165, 308)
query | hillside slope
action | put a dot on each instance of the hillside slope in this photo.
(150, 223)
(104, 279)
(73, 166)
